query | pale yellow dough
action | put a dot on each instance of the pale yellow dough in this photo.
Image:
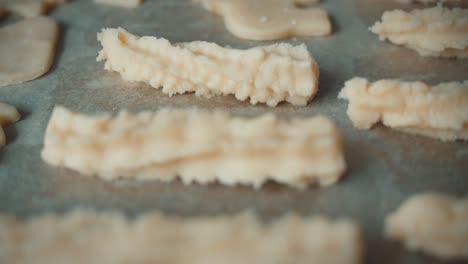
(434, 223)
(110, 238)
(270, 19)
(268, 74)
(27, 49)
(122, 3)
(30, 8)
(439, 111)
(436, 32)
(8, 114)
(198, 146)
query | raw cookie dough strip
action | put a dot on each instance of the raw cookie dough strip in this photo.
(122, 3)
(268, 74)
(198, 146)
(8, 114)
(109, 238)
(439, 111)
(30, 8)
(436, 32)
(270, 19)
(434, 223)
(27, 49)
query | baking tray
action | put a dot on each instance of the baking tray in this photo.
(384, 166)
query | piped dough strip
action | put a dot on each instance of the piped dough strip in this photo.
(270, 19)
(109, 238)
(27, 49)
(121, 3)
(197, 146)
(439, 111)
(434, 223)
(435, 32)
(30, 8)
(8, 114)
(269, 74)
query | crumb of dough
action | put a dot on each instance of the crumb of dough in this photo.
(122, 3)
(8, 114)
(84, 236)
(266, 74)
(27, 49)
(196, 146)
(434, 223)
(30, 8)
(270, 19)
(439, 111)
(435, 32)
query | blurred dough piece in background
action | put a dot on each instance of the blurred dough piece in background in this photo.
(30, 8)
(110, 238)
(434, 32)
(270, 19)
(27, 49)
(434, 223)
(122, 3)
(8, 114)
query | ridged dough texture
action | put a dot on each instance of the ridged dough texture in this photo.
(8, 114)
(269, 74)
(434, 223)
(436, 32)
(439, 111)
(198, 146)
(270, 19)
(110, 238)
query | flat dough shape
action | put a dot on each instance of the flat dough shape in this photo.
(266, 74)
(30, 8)
(109, 238)
(196, 146)
(439, 111)
(27, 49)
(270, 19)
(434, 223)
(434, 32)
(122, 3)
(8, 114)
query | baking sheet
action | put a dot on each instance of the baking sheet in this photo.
(385, 166)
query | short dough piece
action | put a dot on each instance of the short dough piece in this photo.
(197, 146)
(270, 19)
(435, 111)
(435, 32)
(8, 114)
(434, 223)
(30, 8)
(27, 49)
(122, 3)
(269, 74)
(110, 238)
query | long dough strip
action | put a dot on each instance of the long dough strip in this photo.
(437, 31)
(435, 111)
(198, 146)
(269, 74)
(434, 223)
(106, 238)
(8, 114)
